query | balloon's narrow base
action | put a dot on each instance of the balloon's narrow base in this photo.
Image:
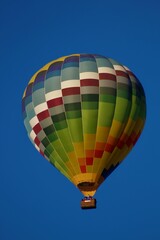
(88, 203)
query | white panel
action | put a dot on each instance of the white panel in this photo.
(106, 70)
(53, 95)
(107, 83)
(32, 135)
(89, 90)
(70, 83)
(123, 80)
(37, 148)
(127, 68)
(87, 75)
(118, 67)
(41, 107)
(34, 121)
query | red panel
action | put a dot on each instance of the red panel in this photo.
(109, 148)
(129, 141)
(83, 169)
(71, 91)
(135, 140)
(98, 153)
(42, 153)
(120, 144)
(121, 73)
(37, 142)
(54, 102)
(130, 73)
(89, 82)
(108, 76)
(37, 128)
(41, 116)
(89, 161)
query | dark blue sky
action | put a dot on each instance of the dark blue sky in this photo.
(36, 201)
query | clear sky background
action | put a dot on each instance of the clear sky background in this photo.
(36, 201)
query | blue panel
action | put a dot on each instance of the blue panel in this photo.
(106, 172)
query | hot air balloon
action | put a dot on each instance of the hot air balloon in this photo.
(84, 113)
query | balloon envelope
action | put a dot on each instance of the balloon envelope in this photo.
(84, 113)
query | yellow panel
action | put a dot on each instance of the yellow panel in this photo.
(76, 168)
(70, 167)
(82, 161)
(89, 153)
(96, 164)
(112, 140)
(72, 156)
(103, 163)
(129, 126)
(89, 141)
(89, 169)
(100, 145)
(73, 161)
(102, 134)
(79, 149)
(84, 177)
(138, 125)
(90, 193)
(116, 129)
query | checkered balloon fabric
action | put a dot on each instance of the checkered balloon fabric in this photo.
(84, 113)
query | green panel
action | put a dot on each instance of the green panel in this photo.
(88, 66)
(72, 106)
(107, 98)
(71, 64)
(47, 154)
(107, 90)
(89, 105)
(49, 129)
(90, 97)
(75, 126)
(45, 142)
(136, 99)
(52, 83)
(49, 148)
(59, 117)
(57, 145)
(123, 94)
(74, 114)
(135, 108)
(64, 136)
(69, 73)
(103, 62)
(27, 125)
(38, 97)
(30, 111)
(122, 109)
(60, 125)
(114, 62)
(56, 160)
(136, 92)
(52, 137)
(62, 168)
(105, 114)
(143, 109)
(89, 121)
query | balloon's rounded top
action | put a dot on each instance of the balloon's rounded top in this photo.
(84, 113)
